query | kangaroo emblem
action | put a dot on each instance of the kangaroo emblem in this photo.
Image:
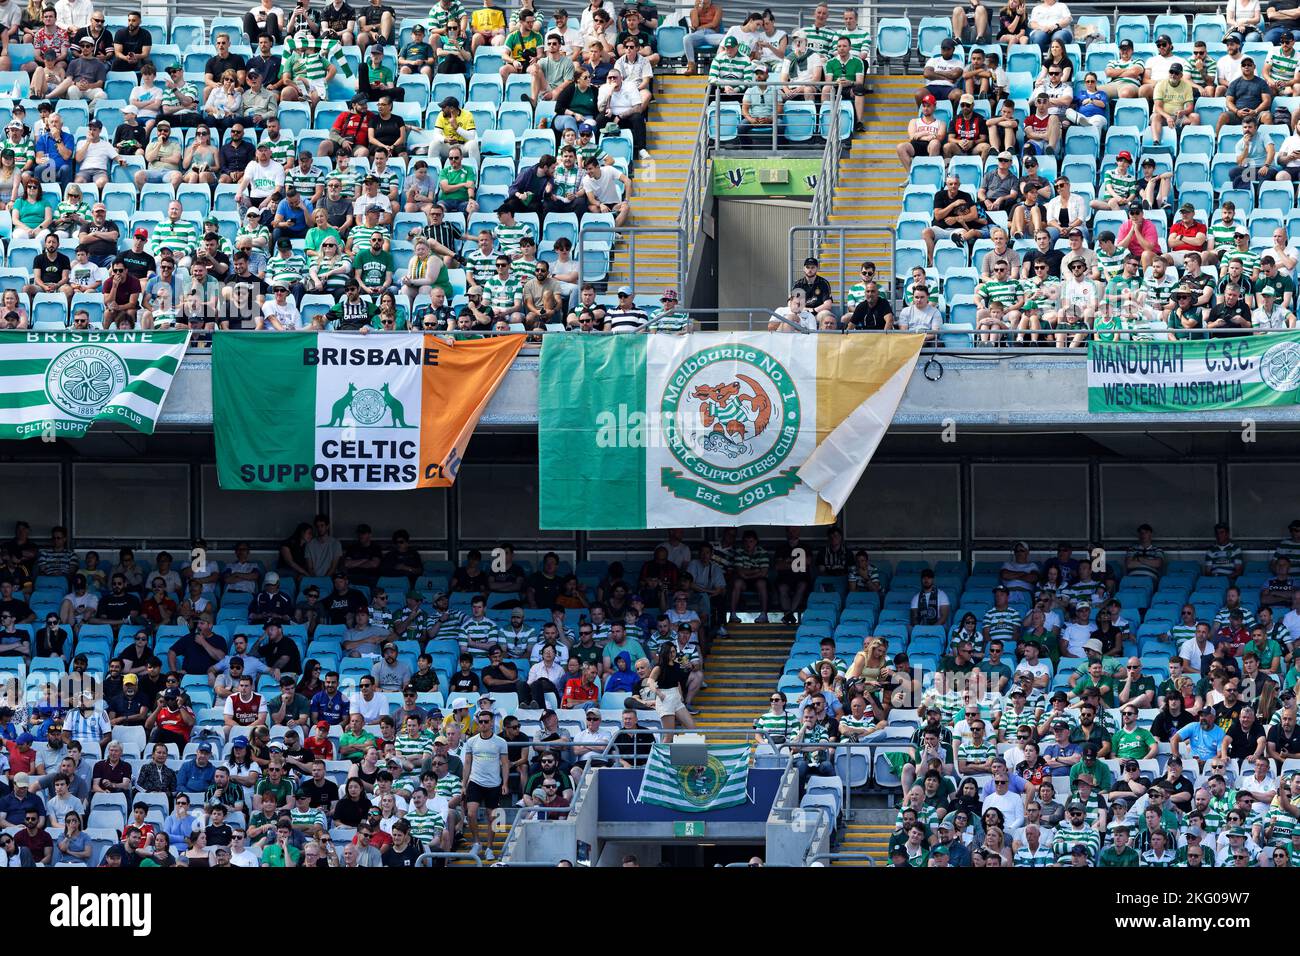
(341, 406)
(729, 413)
(395, 408)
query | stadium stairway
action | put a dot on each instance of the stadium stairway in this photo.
(870, 188)
(659, 182)
(865, 837)
(499, 834)
(742, 670)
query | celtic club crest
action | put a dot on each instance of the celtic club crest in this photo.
(367, 408)
(81, 381)
(731, 417)
(1280, 367)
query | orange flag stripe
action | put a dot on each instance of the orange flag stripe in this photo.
(455, 392)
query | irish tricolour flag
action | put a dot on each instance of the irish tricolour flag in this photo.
(663, 431)
(303, 410)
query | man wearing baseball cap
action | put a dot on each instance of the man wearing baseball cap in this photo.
(758, 108)
(669, 318)
(731, 71)
(941, 74)
(1173, 102)
(626, 316)
(1124, 74)
(925, 134)
(84, 76)
(968, 133)
(1248, 96)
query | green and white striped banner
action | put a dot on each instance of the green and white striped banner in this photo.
(1194, 375)
(718, 784)
(54, 384)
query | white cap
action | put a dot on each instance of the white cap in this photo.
(271, 578)
(460, 703)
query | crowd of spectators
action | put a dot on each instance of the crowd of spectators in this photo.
(1136, 714)
(313, 171)
(1141, 190)
(288, 712)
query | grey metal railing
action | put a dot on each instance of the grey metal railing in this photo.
(810, 240)
(646, 247)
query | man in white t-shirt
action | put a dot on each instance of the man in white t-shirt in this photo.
(1079, 631)
(941, 74)
(262, 181)
(600, 185)
(367, 702)
(1019, 574)
(487, 775)
(1195, 648)
(279, 313)
(240, 854)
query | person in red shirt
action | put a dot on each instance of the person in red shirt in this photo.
(349, 132)
(319, 743)
(1234, 633)
(159, 607)
(1187, 235)
(582, 691)
(139, 811)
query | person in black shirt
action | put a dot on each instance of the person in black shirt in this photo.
(464, 681)
(101, 237)
(266, 63)
(544, 585)
(130, 135)
(632, 744)
(403, 851)
(341, 603)
(1246, 738)
(9, 604)
(100, 39)
(873, 313)
(361, 558)
(816, 290)
(50, 268)
(1045, 252)
(52, 638)
(218, 64)
(118, 606)
(138, 262)
(339, 19)
(235, 155)
(386, 128)
(131, 45)
(278, 650)
(1230, 317)
(401, 558)
(376, 23)
(218, 831)
(472, 577)
(244, 290)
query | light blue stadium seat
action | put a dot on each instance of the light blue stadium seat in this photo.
(1209, 28)
(931, 32)
(534, 144)
(1172, 25)
(928, 171)
(187, 31)
(1210, 108)
(1101, 24)
(894, 37)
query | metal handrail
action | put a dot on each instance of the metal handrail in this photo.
(631, 235)
(815, 228)
(832, 857)
(428, 856)
(690, 215)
